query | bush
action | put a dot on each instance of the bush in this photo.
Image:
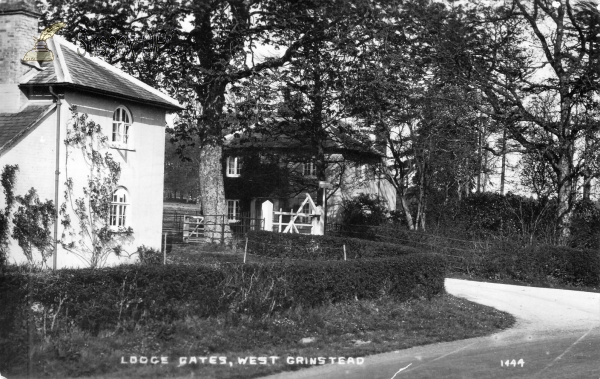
(539, 265)
(484, 215)
(95, 300)
(312, 247)
(585, 226)
(104, 298)
(364, 209)
(149, 256)
(259, 289)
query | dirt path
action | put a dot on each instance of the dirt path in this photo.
(557, 335)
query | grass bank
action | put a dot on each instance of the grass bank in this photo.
(348, 329)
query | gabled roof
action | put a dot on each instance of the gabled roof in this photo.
(14, 126)
(84, 72)
(338, 142)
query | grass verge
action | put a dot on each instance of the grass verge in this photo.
(350, 329)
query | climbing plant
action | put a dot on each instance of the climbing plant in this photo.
(7, 179)
(32, 221)
(86, 212)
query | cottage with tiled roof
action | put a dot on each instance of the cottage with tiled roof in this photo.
(35, 98)
(280, 169)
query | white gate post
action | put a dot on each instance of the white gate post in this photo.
(317, 222)
(267, 213)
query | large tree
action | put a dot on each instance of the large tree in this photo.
(199, 65)
(521, 54)
(420, 115)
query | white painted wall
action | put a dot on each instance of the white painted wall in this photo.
(142, 168)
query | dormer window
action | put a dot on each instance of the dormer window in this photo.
(234, 166)
(121, 127)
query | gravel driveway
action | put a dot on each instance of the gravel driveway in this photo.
(557, 335)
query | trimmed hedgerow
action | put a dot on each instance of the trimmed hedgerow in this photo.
(538, 265)
(301, 246)
(125, 295)
(259, 289)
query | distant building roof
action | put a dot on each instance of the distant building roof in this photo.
(15, 126)
(338, 142)
(84, 72)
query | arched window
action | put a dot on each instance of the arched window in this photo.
(121, 127)
(119, 208)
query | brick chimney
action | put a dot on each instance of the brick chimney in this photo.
(18, 27)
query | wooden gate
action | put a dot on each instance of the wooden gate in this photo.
(193, 228)
(304, 221)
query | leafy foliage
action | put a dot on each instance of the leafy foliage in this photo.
(364, 209)
(181, 173)
(300, 246)
(267, 288)
(539, 265)
(32, 221)
(585, 226)
(95, 238)
(122, 297)
(149, 256)
(8, 178)
(109, 298)
(491, 215)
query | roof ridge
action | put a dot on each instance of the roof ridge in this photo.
(118, 72)
(61, 62)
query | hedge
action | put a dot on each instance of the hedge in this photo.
(540, 265)
(126, 296)
(285, 285)
(313, 247)
(102, 299)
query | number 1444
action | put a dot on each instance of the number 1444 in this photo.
(513, 363)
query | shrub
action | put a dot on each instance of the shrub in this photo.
(483, 215)
(585, 226)
(364, 209)
(301, 246)
(540, 265)
(259, 289)
(101, 299)
(149, 256)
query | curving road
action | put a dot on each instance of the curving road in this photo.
(557, 335)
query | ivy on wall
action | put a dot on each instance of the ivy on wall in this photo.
(90, 235)
(7, 179)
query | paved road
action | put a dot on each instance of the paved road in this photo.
(557, 335)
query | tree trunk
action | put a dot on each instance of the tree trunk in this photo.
(587, 187)
(564, 200)
(587, 178)
(503, 170)
(212, 194)
(420, 220)
(407, 215)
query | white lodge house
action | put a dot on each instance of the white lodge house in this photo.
(34, 106)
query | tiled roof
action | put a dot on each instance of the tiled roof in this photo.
(92, 74)
(337, 143)
(48, 76)
(14, 126)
